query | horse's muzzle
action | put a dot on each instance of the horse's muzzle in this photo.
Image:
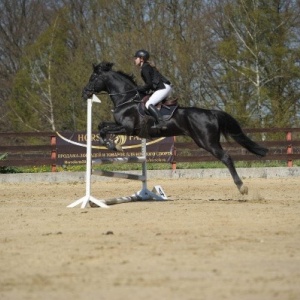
(86, 94)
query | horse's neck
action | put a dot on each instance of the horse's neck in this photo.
(121, 91)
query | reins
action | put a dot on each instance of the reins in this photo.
(128, 101)
(124, 93)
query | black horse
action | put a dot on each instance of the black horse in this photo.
(203, 126)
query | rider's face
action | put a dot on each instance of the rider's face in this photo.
(137, 61)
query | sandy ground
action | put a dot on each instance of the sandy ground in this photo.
(206, 242)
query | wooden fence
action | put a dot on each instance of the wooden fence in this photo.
(28, 149)
(283, 145)
(38, 149)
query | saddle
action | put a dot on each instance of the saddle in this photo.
(166, 107)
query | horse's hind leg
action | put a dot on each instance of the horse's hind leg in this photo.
(226, 159)
(217, 151)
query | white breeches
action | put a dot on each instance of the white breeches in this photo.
(159, 95)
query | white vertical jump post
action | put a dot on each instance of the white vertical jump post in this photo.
(157, 192)
(88, 197)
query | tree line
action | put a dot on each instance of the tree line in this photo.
(241, 56)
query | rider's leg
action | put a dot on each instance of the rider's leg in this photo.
(156, 97)
(157, 116)
(159, 95)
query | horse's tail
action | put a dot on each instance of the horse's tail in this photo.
(230, 127)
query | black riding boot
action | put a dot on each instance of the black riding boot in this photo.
(161, 124)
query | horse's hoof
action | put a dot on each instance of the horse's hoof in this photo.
(119, 148)
(113, 147)
(243, 190)
(110, 146)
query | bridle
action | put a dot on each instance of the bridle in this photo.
(136, 96)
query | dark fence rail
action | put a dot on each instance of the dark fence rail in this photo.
(283, 145)
(28, 149)
(38, 149)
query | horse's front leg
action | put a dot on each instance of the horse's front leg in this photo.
(103, 127)
(107, 128)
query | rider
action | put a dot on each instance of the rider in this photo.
(153, 81)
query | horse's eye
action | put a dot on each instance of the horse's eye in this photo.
(93, 77)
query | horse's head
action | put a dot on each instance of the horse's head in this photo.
(96, 82)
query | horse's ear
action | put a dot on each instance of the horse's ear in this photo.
(106, 66)
(97, 68)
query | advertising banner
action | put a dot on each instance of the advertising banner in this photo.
(71, 148)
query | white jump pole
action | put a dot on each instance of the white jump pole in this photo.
(88, 197)
(157, 192)
(144, 194)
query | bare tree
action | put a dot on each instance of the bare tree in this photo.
(238, 55)
(254, 43)
(21, 21)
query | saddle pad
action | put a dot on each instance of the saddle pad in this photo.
(166, 111)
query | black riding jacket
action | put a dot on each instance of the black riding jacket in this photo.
(153, 79)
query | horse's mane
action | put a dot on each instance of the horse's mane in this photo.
(107, 66)
(128, 76)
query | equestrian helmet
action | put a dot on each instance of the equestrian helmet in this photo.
(142, 53)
